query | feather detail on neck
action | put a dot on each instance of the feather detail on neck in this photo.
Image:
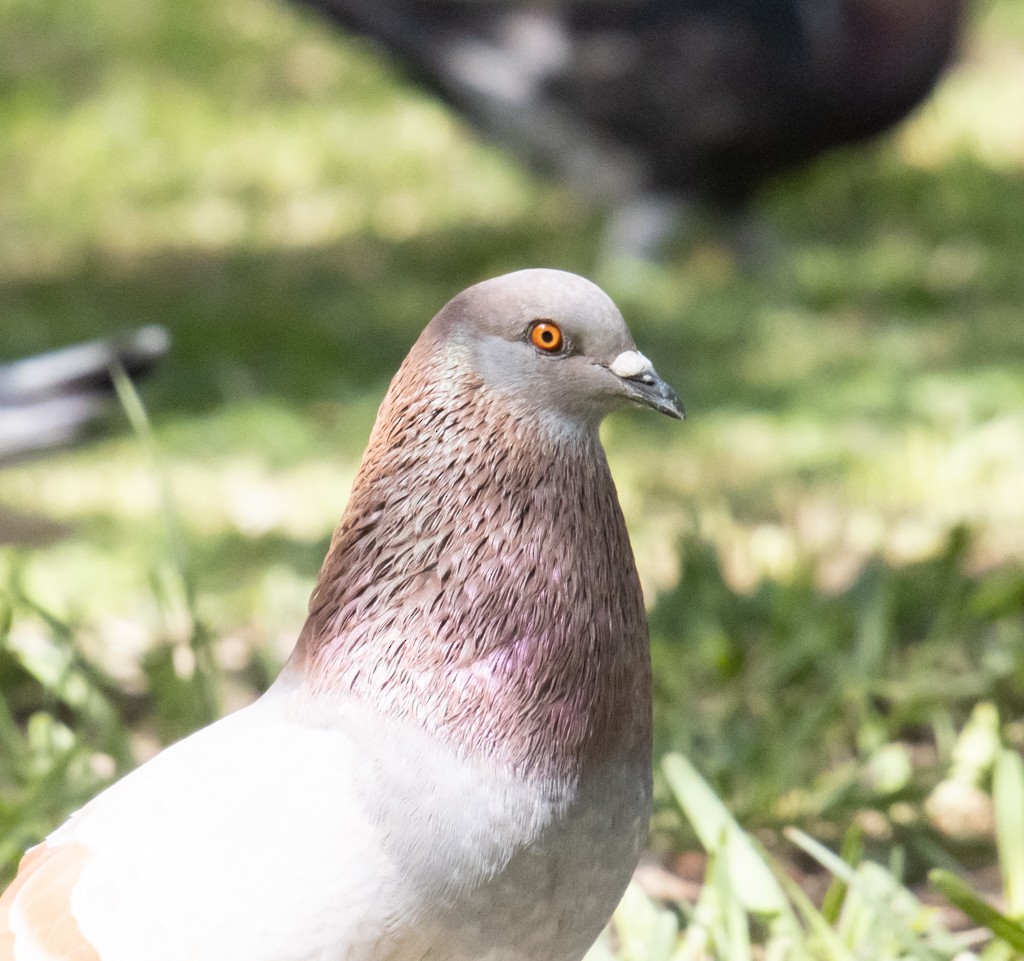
(481, 583)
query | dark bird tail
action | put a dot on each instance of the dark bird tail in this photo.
(54, 399)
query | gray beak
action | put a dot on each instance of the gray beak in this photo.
(642, 384)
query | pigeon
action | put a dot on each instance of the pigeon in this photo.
(55, 399)
(662, 107)
(455, 761)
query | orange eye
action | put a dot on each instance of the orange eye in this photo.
(546, 336)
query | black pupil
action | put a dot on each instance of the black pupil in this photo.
(547, 336)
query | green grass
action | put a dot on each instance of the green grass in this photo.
(831, 546)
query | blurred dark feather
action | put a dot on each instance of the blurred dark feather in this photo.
(57, 398)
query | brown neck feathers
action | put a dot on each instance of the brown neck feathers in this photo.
(481, 583)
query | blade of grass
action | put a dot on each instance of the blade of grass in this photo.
(1008, 794)
(850, 853)
(826, 858)
(734, 937)
(755, 885)
(175, 585)
(693, 945)
(959, 894)
(821, 928)
(646, 931)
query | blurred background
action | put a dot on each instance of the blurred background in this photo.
(832, 546)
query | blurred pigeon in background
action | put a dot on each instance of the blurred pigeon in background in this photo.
(57, 398)
(659, 106)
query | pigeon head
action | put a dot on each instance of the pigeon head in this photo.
(552, 344)
(480, 585)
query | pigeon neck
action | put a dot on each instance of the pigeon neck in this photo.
(481, 585)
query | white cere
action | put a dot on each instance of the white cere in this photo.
(630, 363)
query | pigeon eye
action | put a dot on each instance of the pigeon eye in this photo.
(546, 336)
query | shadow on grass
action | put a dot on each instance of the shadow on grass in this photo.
(864, 293)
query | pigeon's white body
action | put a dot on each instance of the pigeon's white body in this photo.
(313, 838)
(455, 764)
(220, 813)
(291, 835)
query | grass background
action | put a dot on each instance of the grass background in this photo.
(831, 546)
